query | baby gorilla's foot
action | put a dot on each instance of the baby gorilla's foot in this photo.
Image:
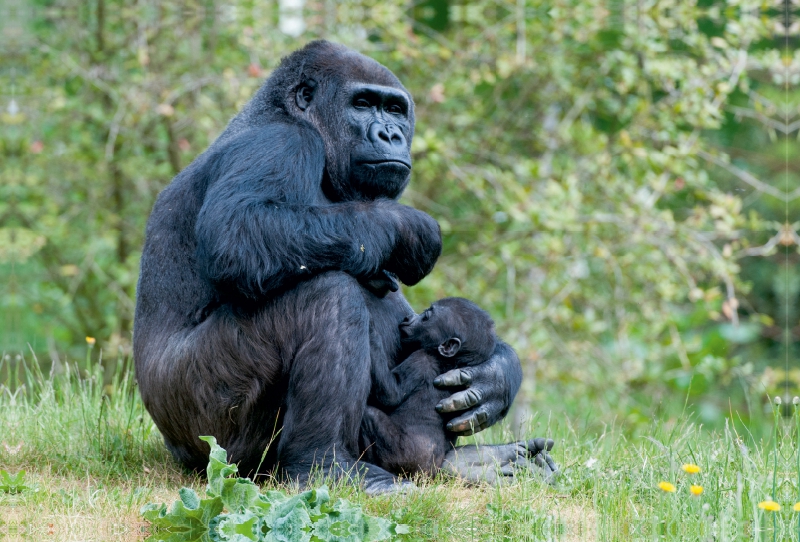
(499, 463)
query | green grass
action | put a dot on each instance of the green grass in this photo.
(93, 457)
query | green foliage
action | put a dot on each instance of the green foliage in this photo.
(12, 483)
(236, 511)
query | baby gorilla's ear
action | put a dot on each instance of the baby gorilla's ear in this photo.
(450, 347)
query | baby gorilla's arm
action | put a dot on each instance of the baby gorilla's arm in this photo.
(391, 388)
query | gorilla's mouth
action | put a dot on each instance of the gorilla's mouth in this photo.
(386, 162)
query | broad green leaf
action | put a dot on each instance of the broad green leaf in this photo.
(189, 498)
(12, 483)
(193, 524)
(218, 467)
(235, 527)
(238, 494)
(288, 522)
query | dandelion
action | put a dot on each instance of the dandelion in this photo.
(769, 506)
(696, 490)
(666, 486)
(691, 468)
(90, 341)
(796, 507)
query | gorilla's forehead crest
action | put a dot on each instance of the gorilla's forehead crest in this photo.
(330, 65)
(327, 61)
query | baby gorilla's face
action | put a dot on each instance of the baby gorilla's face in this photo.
(428, 329)
(451, 326)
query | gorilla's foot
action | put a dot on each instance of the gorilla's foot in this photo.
(372, 479)
(377, 481)
(499, 463)
(383, 487)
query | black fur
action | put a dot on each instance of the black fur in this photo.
(267, 275)
(453, 332)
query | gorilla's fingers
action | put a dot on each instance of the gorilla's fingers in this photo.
(456, 377)
(538, 444)
(381, 284)
(509, 469)
(460, 401)
(549, 469)
(470, 423)
(392, 279)
(552, 464)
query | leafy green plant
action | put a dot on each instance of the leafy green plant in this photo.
(12, 483)
(235, 510)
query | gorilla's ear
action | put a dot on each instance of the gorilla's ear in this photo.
(450, 347)
(305, 93)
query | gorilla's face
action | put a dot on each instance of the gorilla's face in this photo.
(379, 127)
(361, 111)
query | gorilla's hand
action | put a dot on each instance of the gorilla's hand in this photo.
(419, 244)
(490, 389)
(381, 284)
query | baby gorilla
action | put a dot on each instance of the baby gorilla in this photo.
(453, 332)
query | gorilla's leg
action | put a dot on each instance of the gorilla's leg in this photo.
(493, 463)
(328, 381)
(292, 374)
(406, 449)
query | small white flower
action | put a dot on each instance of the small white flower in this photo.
(591, 463)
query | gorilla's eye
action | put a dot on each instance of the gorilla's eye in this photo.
(426, 315)
(395, 109)
(362, 103)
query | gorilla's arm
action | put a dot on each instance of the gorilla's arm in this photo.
(256, 236)
(491, 388)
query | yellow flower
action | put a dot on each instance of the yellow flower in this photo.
(691, 468)
(769, 506)
(696, 490)
(90, 341)
(796, 507)
(666, 486)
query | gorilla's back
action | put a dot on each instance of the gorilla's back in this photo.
(170, 294)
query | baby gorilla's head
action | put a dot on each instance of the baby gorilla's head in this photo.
(452, 326)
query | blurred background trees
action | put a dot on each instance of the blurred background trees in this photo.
(617, 182)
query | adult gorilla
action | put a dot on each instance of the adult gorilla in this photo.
(267, 285)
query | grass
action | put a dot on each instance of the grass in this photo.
(93, 457)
